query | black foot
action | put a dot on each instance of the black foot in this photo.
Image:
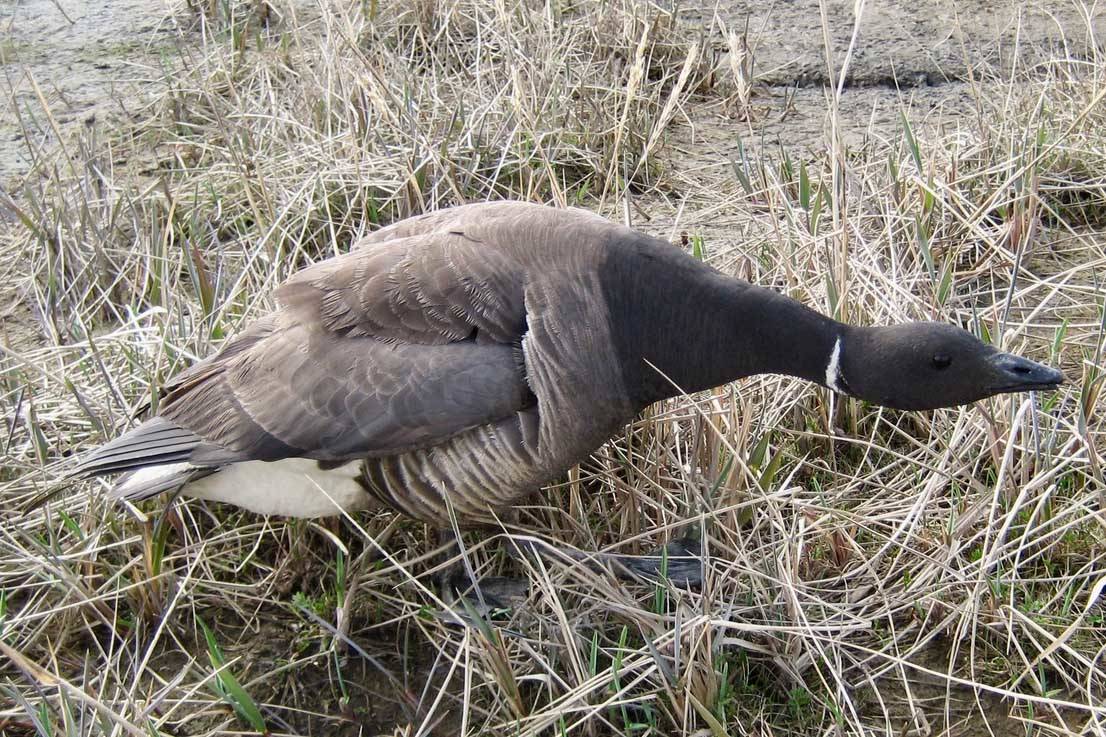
(680, 561)
(456, 580)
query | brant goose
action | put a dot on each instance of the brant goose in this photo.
(476, 353)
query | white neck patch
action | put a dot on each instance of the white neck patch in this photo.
(833, 369)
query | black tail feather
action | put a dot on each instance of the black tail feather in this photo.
(153, 443)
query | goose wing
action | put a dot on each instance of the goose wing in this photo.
(396, 346)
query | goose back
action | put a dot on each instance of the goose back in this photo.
(431, 360)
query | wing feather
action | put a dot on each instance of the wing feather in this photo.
(157, 438)
(431, 289)
(307, 393)
(414, 336)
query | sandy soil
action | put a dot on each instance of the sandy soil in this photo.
(91, 60)
(907, 44)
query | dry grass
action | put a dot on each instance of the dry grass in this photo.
(872, 571)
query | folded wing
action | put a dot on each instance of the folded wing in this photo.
(392, 347)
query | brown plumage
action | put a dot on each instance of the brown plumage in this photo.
(466, 357)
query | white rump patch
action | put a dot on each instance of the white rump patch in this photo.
(833, 369)
(150, 474)
(294, 487)
(148, 477)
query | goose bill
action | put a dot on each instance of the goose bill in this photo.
(1017, 374)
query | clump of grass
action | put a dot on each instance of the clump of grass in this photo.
(227, 687)
(864, 562)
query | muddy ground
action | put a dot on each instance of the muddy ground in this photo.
(92, 62)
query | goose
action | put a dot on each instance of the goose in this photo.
(451, 364)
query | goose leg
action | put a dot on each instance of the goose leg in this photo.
(457, 580)
(680, 562)
(456, 577)
(448, 570)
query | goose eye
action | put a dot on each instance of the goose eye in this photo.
(941, 361)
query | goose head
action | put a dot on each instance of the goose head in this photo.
(925, 365)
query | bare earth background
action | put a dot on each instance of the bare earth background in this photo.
(93, 60)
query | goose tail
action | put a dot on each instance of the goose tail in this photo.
(153, 456)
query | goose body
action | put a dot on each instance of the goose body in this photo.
(466, 357)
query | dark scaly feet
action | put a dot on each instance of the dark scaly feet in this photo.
(680, 561)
